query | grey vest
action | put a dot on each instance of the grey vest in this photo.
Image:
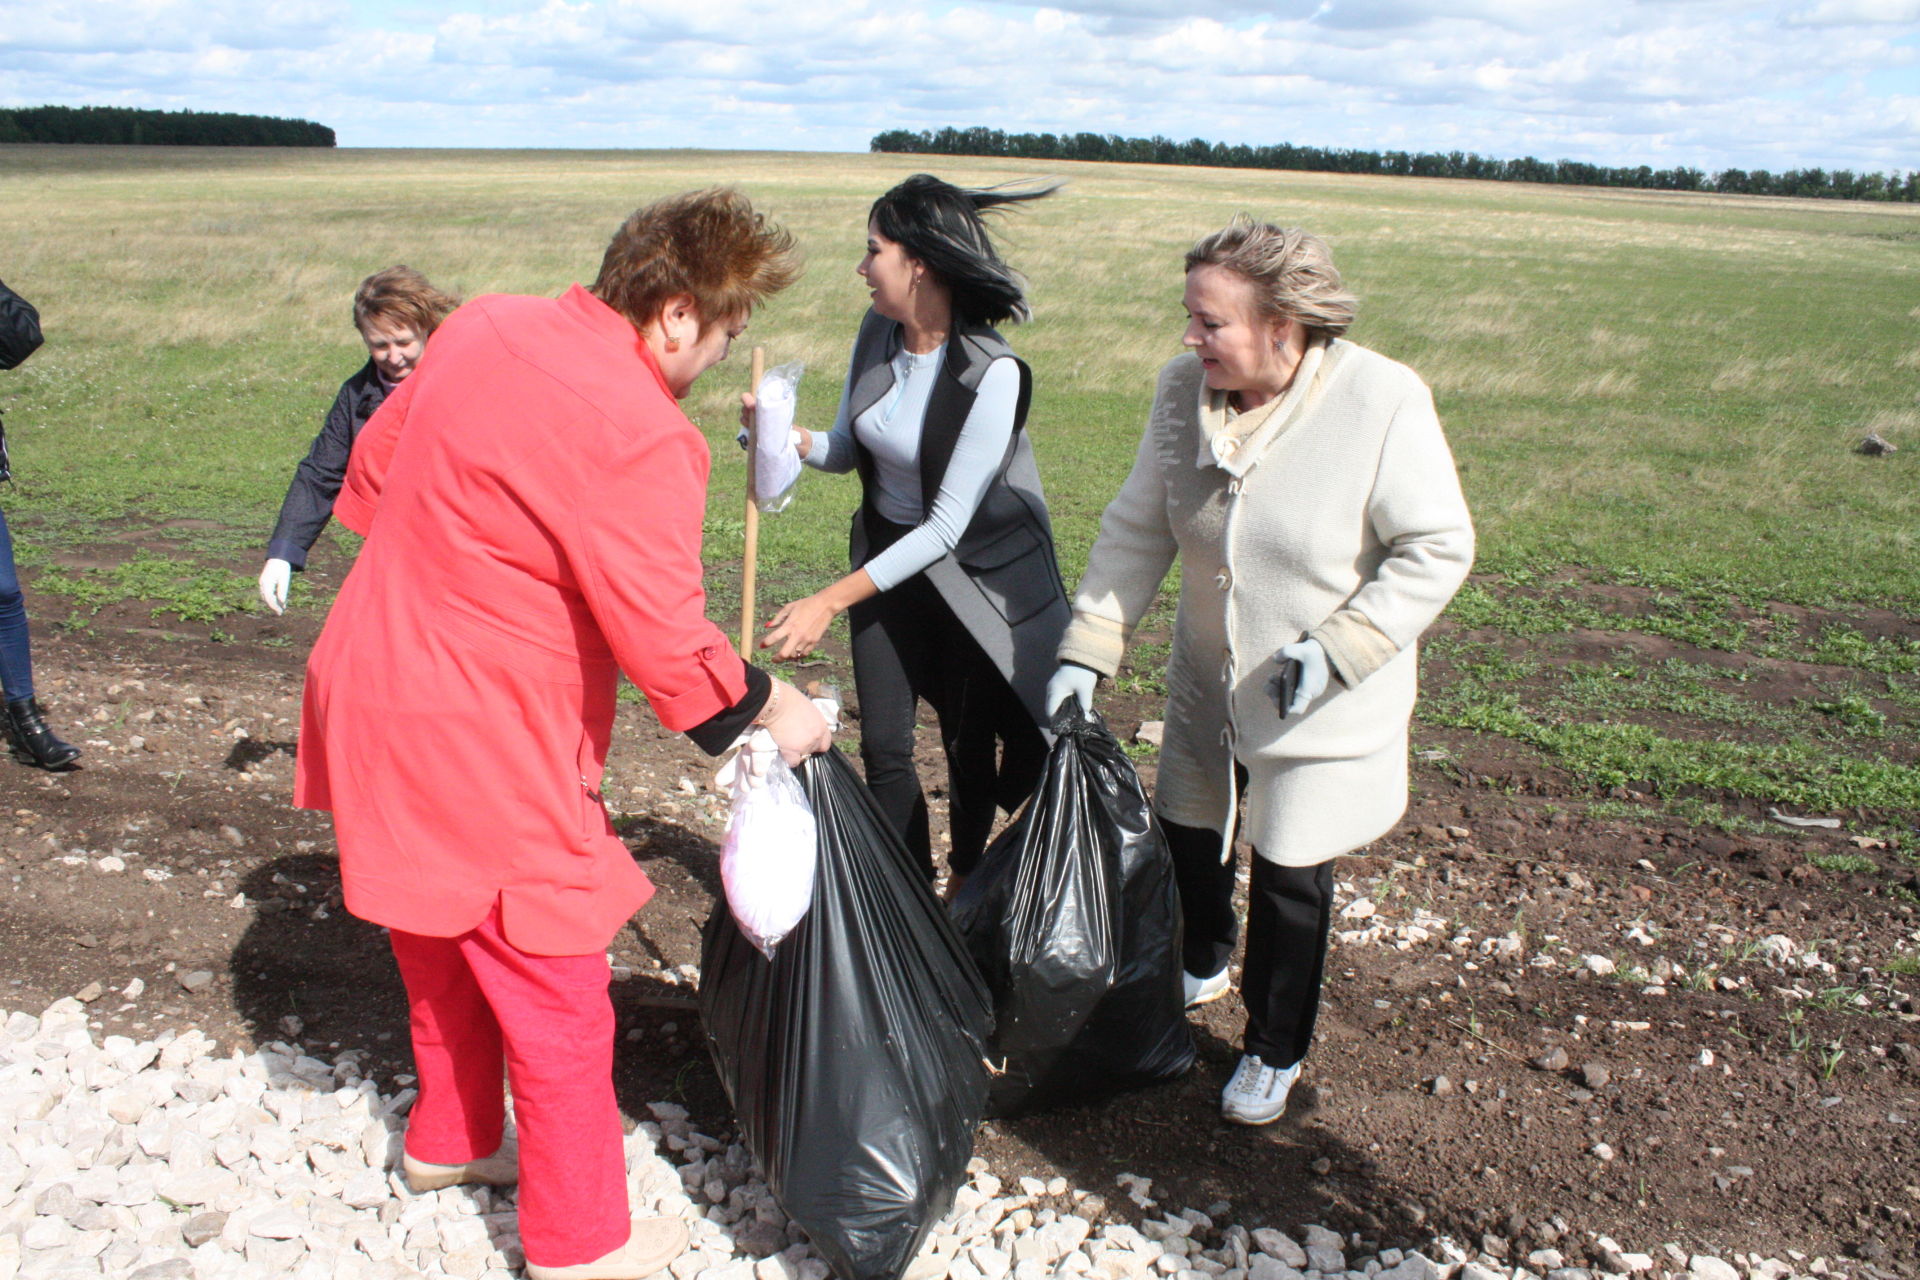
(1001, 580)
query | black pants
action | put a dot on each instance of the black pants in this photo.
(1289, 910)
(907, 645)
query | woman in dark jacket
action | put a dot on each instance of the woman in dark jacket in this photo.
(28, 736)
(396, 311)
(955, 593)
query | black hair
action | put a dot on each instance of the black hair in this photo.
(940, 225)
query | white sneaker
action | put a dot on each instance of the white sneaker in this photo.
(1257, 1094)
(1201, 990)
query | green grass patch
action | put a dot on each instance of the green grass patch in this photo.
(1851, 863)
(1607, 754)
(1855, 712)
(1146, 670)
(1843, 646)
(173, 588)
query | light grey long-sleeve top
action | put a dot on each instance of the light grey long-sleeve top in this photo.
(890, 430)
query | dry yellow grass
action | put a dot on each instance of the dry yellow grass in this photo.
(1619, 371)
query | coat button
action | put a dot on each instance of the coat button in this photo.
(708, 653)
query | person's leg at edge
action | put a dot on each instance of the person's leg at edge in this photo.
(22, 724)
(556, 1022)
(1289, 911)
(1210, 927)
(461, 1111)
(888, 672)
(16, 658)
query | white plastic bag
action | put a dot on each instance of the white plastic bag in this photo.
(768, 854)
(776, 462)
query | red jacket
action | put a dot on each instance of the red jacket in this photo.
(532, 499)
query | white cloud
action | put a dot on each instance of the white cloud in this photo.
(1710, 83)
(1842, 13)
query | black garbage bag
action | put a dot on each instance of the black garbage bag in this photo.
(1074, 919)
(856, 1057)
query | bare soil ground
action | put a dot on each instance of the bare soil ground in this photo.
(1539, 1023)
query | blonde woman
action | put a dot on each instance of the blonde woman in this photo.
(395, 312)
(1305, 485)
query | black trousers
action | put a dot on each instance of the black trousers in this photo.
(1289, 911)
(908, 645)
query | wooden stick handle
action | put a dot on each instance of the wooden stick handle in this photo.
(750, 567)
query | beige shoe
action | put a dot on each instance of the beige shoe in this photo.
(501, 1169)
(654, 1243)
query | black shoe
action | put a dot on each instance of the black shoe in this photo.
(32, 742)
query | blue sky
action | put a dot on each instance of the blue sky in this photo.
(1708, 83)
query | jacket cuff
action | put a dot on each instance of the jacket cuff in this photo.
(716, 734)
(292, 552)
(1355, 647)
(720, 683)
(1095, 643)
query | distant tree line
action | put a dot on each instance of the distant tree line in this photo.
(136, 126)
(1833, 184)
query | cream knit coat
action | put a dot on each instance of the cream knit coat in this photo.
(1333, 511)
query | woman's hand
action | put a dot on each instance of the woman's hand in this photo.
(795, 724)
(797, 628)
(802, 438)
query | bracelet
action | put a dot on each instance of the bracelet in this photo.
(772, 705)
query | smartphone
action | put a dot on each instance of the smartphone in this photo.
(1287, 683)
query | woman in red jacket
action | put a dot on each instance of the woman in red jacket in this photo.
(532, 499)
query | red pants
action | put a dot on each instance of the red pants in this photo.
(476, 1001)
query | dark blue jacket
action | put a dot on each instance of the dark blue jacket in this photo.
(317, 480)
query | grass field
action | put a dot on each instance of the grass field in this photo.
(1645, 391)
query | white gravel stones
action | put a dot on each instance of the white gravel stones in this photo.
(1263, 1267)
(1702, 1267)
(1326, 1252)
(1280, 1246)
(165, 1161)
(1413, 1266)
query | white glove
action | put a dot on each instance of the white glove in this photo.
(274, 580)
(776, 462)
(1071, 681)
(1314, 670)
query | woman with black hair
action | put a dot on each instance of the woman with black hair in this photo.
(955, 595)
